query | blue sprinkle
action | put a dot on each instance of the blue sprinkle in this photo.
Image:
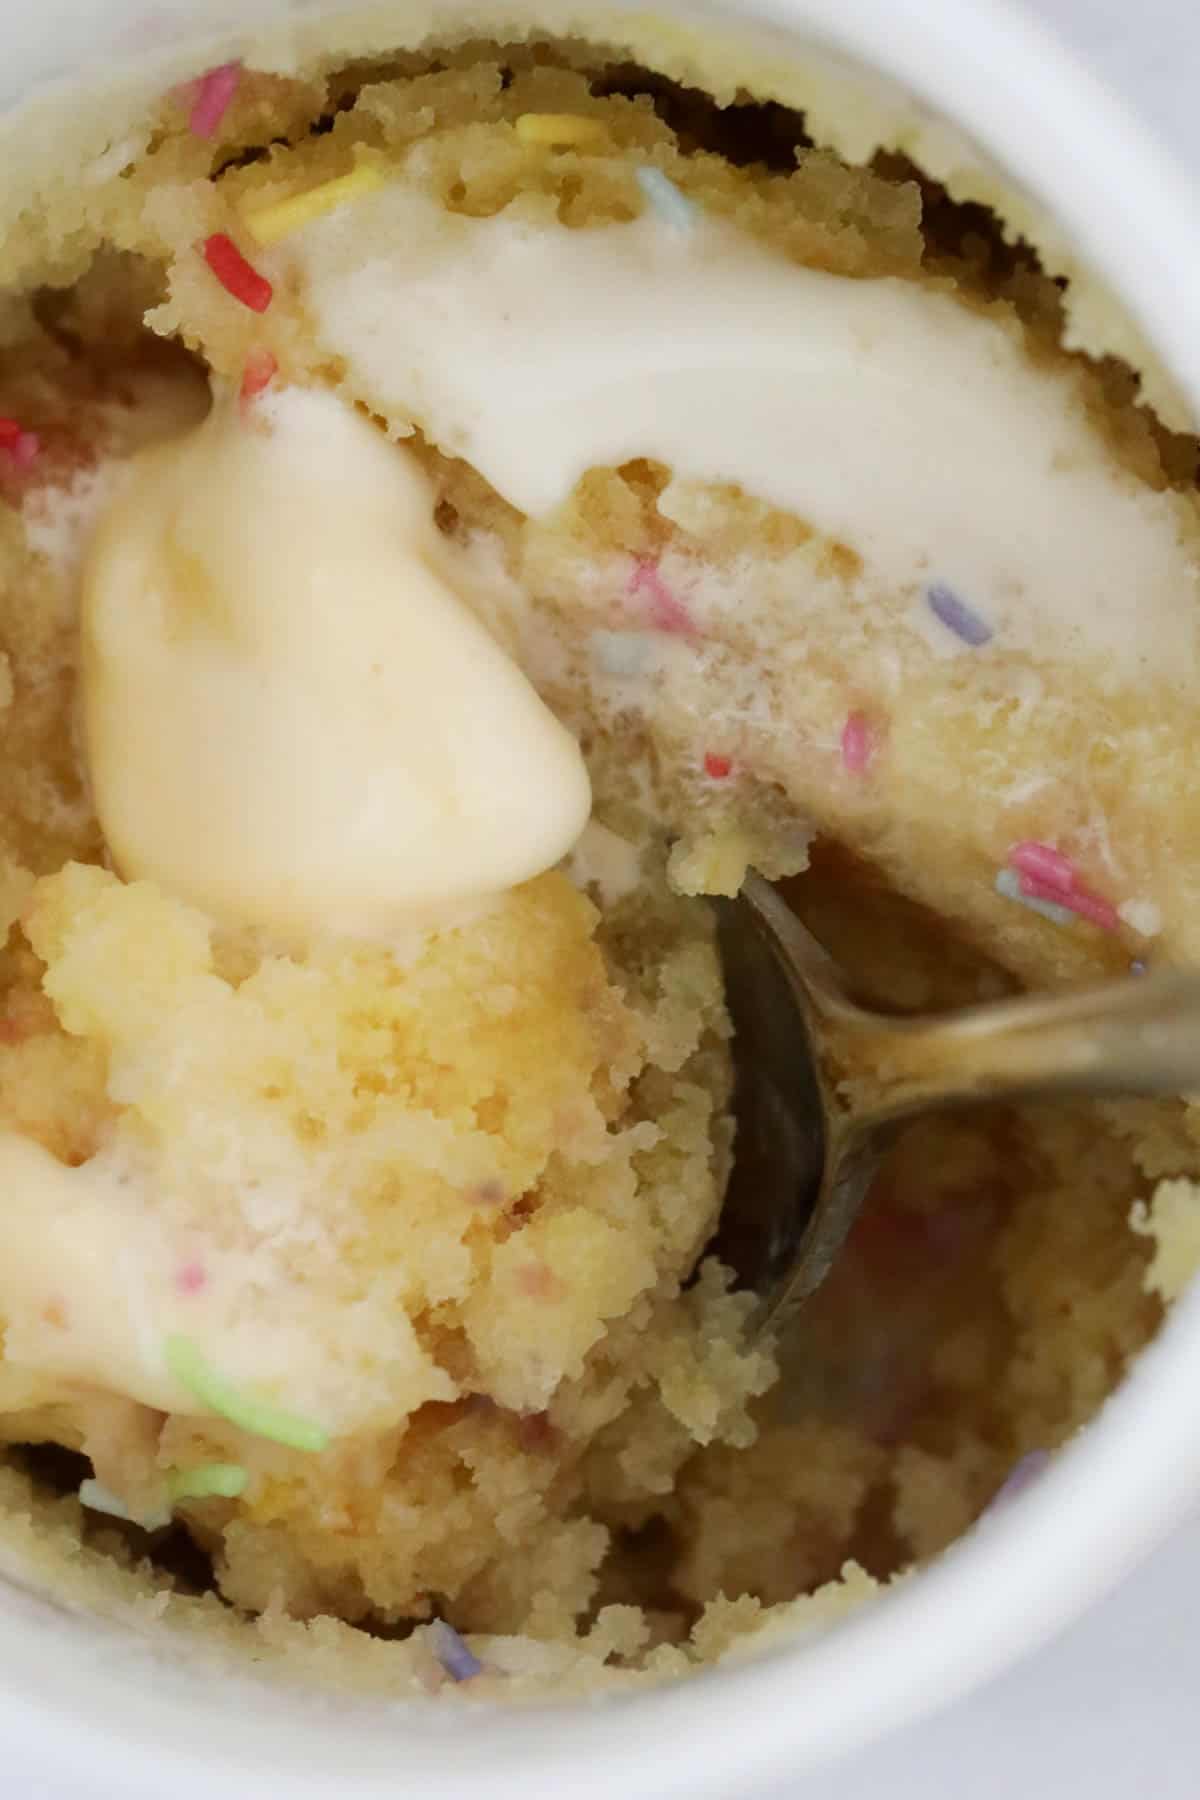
(459, 1662)
(671, 206)
(1008, 883)
(1021, 1476)
(957, 616)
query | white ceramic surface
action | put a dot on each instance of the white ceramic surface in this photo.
(98, 1715)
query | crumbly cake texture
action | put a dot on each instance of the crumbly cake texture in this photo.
(577, 1460)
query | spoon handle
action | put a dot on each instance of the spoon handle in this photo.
(1135, 1036)
(1139, 1035)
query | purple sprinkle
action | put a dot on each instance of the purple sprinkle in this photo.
(957, 616)
(1022, 1475)
(460, 1663)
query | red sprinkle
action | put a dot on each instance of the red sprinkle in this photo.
(858, 743)
(1076, 900)
(1042, 863)
(235, 274)
(717, 767)
(21, 448)
(667, 611)
(213, 97)
(191, 1278)
(260, 371)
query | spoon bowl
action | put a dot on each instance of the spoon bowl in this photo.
(822, 1086)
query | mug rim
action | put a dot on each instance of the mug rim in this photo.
(1129, 210)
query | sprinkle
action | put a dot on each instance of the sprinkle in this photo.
(235, 274)
(213, 98)
(620, 652)
(957, 616)
(260, 371)
(191, 1278)
(458, 1660)
(269, 224)
(98, 1498)
(672, 207)
(222, 1480)
(1008, 883)
(560, 129)
(858, 743)
(717, 767)
(1088, 906)
(1043, 863)
(667, 611)
(1137, 967)
(24, 447)
(538, 1281)
(259, 1417)
(1048, 878)
(1021, 1476)
(1142, 916)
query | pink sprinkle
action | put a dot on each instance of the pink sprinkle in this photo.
(858, 743)
(10, 434)
(1076, 900)
(667, 611)
(213, 98)
(539, 1282)
(717, 768)
(261, 368)
(191, 1278)
(1042, 863)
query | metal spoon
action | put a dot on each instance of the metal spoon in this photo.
(806, 1152)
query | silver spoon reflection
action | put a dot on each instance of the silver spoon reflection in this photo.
(808, 1144)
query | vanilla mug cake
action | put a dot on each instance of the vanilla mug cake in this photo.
(471, 490)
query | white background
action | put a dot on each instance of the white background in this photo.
(1112, 1710)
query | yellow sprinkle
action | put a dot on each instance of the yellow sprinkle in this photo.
(560, 129)
(268, 224)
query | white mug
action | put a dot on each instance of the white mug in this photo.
(90, 1709)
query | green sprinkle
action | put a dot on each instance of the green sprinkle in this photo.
(190, 1369)
(209, 1480)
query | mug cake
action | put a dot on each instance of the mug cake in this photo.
(462, 508)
